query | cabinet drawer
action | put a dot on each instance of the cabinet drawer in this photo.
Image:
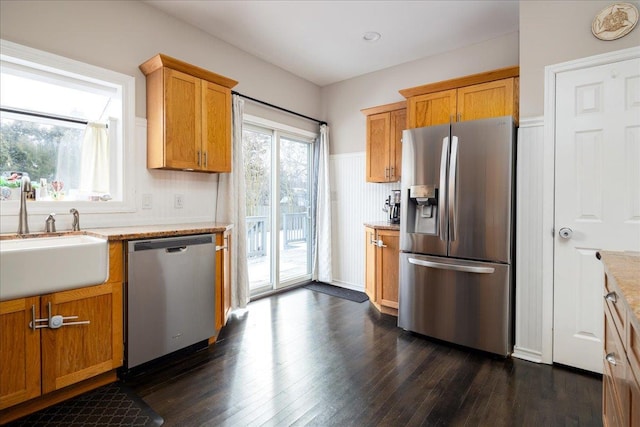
(615, 304)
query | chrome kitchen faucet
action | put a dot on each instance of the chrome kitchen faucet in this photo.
(23, 223)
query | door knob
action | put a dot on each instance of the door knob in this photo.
(565, 232)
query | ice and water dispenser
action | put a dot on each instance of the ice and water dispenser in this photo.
(422, 212)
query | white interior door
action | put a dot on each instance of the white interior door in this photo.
(597, 198)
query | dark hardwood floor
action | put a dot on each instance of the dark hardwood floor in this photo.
(306, 358)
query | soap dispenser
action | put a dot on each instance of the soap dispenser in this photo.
(50, 223)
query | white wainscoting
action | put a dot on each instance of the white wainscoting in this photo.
(354, 202)
(529, 241)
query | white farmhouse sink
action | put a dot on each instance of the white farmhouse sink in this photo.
(41, 265)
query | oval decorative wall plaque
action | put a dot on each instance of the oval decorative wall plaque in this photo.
(614, 21)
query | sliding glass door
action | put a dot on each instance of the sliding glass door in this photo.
(278, 207)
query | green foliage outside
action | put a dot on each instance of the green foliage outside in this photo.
(32, 148)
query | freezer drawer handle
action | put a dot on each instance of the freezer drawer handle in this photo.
(443, 266)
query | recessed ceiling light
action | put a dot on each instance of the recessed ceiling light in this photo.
(371, 36)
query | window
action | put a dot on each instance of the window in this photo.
(64, 124)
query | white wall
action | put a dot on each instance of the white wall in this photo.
(120, 35)
(354, 200)
(343, 101)
(552, 32)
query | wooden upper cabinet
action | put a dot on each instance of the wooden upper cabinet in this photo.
(216, 120)
(492, 99)
(478, 96)
(188, 116)
(431, 109)
(384, 142)
(183, 119)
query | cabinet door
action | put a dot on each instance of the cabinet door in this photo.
(431, 109)
(19, 352)
(183, 120)
(387, 265)
(493, 99)
(223, 278)
(378, 135)
(370, 263)
(398, 122)
(76, 352)
(216, 128)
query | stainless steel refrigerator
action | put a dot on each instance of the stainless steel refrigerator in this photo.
(457, 233)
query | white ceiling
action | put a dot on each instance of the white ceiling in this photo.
(321, 41)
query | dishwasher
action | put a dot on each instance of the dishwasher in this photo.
(170, 295)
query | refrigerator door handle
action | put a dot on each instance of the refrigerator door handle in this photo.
(442, 220)
(454, 267)
(453, 169)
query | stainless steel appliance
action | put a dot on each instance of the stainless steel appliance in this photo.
(170, 295)
(456, 233)
(392, 207)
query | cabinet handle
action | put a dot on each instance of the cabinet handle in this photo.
(380, 244)
(52, 322)
(393, 170)
(198, 157)
(206, 157)
(459, 117)
(611, 358)
(611, 296)
(386, 173)
(32, 324)
(221, 248)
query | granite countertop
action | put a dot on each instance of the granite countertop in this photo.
(382, 225)
(138, 231)
(624, 268)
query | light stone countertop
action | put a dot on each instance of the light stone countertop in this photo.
(138, 231)
(382, 225)
(624, 268)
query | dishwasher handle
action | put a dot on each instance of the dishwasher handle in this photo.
(176, 249)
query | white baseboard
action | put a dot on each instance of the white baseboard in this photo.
(352, 286)
(527, 354)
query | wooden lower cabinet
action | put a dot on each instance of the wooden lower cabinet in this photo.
(223, 278)
(621, 369)
(43, 366)
(382, 267)
(19, 352)
(73, 353)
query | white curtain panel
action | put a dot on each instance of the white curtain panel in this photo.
(94, 166)
(230, 208)
(322, 261)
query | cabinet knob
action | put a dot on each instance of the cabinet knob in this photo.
(611, 358)
(611, 296)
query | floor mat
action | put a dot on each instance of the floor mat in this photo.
(110, 405)
(337, 291)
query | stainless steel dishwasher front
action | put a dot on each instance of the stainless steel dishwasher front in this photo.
(170, 295)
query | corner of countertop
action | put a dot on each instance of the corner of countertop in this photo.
(382, 225)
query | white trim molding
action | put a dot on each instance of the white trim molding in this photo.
(548, 168)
